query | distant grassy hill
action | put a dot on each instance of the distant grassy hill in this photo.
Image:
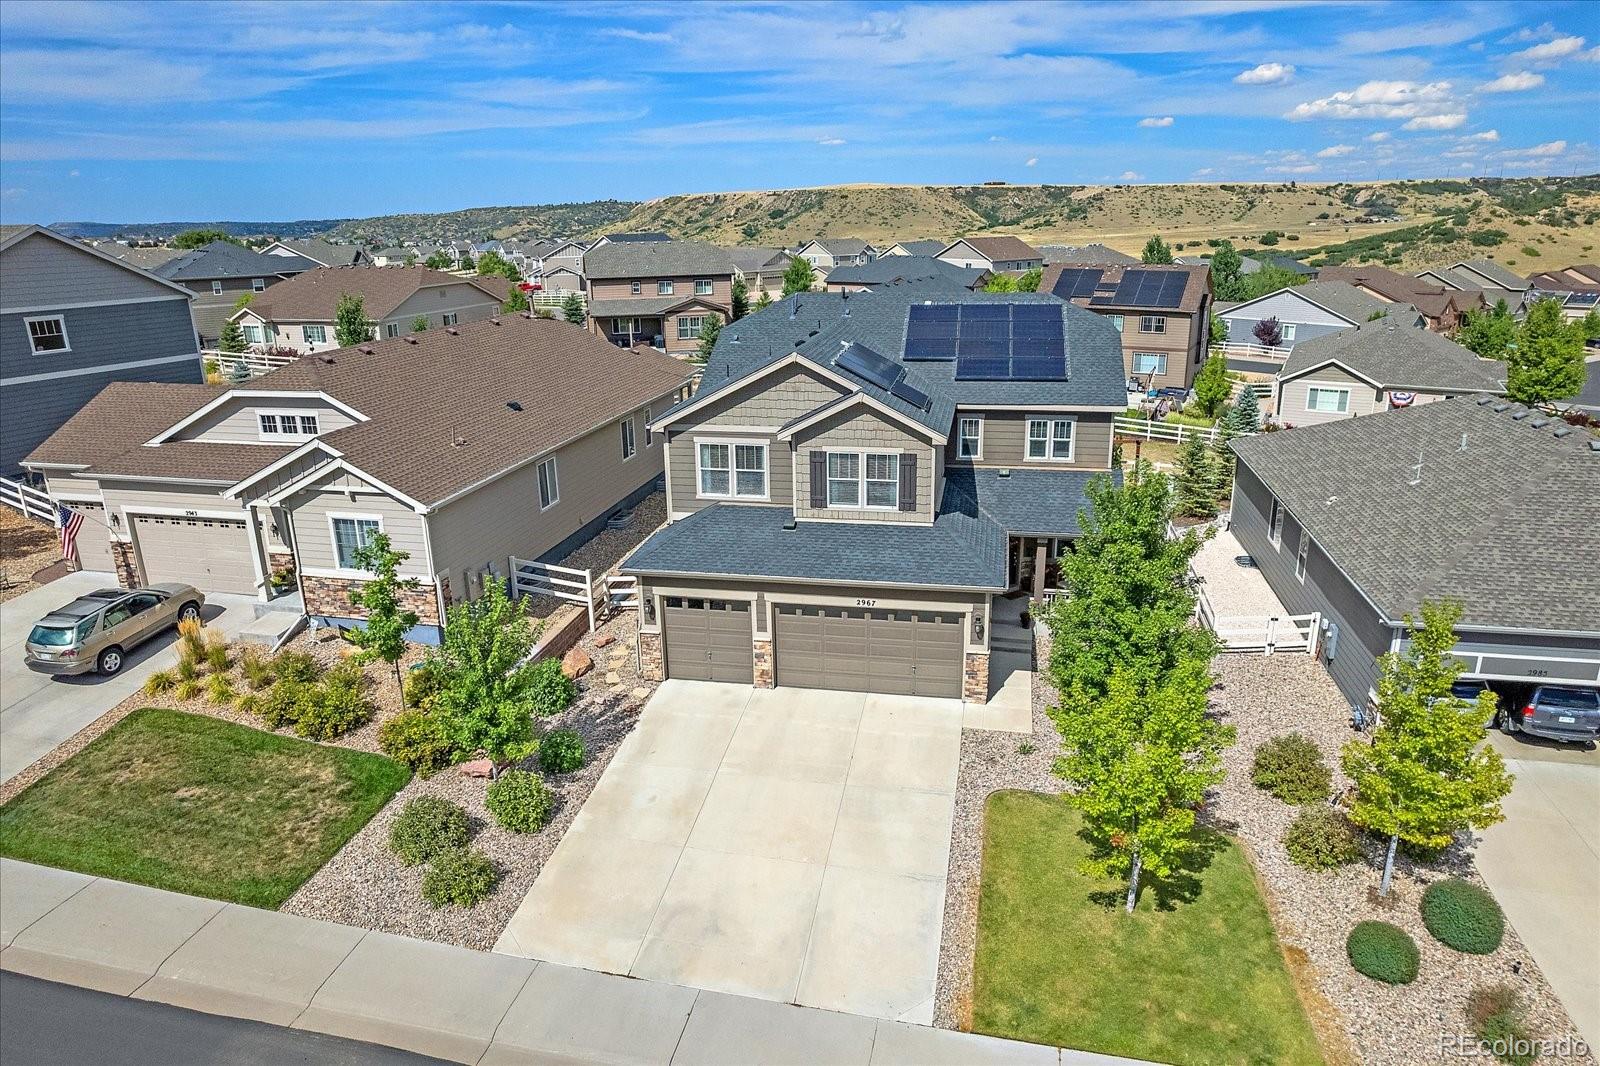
(309, 227)
(485, 223)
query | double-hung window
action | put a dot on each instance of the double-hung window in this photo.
(1050, 440)
(350, 534)
(1300, 556)
(252, 333)
(969, 441)
(628, 447)
(286, 425)
(689, 326)
(635, 288)
(731, 470)
(1275, 523)
(451, 318)
(216, 288)
(868, 480)
(663, 288)
(844, 479)
(391, 329)
(883, 480)
(702, 287)
(549, 488)
(1328, 400)
(48, 334)
(258, 284)
(1149, 362)
(316, 334)
(1152, 323)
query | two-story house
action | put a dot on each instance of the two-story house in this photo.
(658, 293)
(901, 269)
(859, 476)
(299, 313)
(761, 270)
(1443, 308)
(321, 253)
(926, 247)
(515, 436)
(1162, 312)
(999, 255)
(1301, 313)
(220, 273)
(73, 319)
(825, 253)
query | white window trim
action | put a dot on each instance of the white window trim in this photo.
(258, 284)
(555, 482)
(1163, 356)
(861, 479)
(1153, 320)
(1286, 330)
(246, 327)
(710, 286)
(1050, 439)
(1275, 524)
(977, 454)
(635, 288)
(692, 334)
(333, 541)
(733, 469)
(305, 331)
(649, 437)
(630, 440)
(27, 326)
(1300, 554)
(1116, 320)
(450, 318)
(665, 288)
(297, 437)
(216, 288)
(1321, 386)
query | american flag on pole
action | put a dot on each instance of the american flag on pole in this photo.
(69, 522)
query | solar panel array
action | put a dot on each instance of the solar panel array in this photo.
(1077, 282)
(990, 341)
(888, 375)
(1148, 288)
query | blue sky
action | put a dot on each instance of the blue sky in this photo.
(165, 111)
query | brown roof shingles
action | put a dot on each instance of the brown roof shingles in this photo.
(1003, 248)
(314, 295)
(122, 415)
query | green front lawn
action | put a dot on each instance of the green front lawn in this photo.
(1194, 975)
(199, 805)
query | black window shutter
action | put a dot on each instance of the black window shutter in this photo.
(908, 481)
(819, 479)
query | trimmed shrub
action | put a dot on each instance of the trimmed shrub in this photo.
(1291, 767)
(1498, 1016)
(186, 670)
(1463, 916)
(427, 826)
(279, 705)
(296, 666)
(416, 739)
(331, 710)
(519, 801)
(459, 877)
(551, 691)
(187, 689)
(1320, 839)
(561, 752)
(421, 684)
(1383, 952)
(247, 702)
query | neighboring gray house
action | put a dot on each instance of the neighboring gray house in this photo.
(761, 270)
(1473, 499)
(1485, 275)
(220, 273)
(517, 436)
(898, 269)
(1002, 255)
(321, 253)
(73, 320)
(929, 248)
(1096, 255)
(825, 253)
(1390, 362)
(1314, 309)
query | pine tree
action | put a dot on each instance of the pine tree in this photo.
(763, 301)
(1199, 479)
(1156, 251)
(572, 309)
(710, 330)
(1545, 363)
(798, 277)
(741, 299)
(1244, 416)
(238, 373)
(232, 339)
(350, 325)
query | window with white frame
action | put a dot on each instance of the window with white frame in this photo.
(647, 434)
(1152, 323)
(1327, 399)
(969, 439)
(252, 333)
(48, 333)
(868, 480)
(628, 447)
(451, 318)
(258, 284)
(663, 288)
(732, 470)
(844, 479)
(622, 325)
(391, 329)
(635, 288)
(549, 487)
(350, 534)
(286, 425)
(1275, 523)
(1300, 556)
(1050, 439)
(216, 288)
(702, 287)
(1286, 331)
(1149, 362)
(316, 334)
(883, 480)
(689, 326)
(1116, 320)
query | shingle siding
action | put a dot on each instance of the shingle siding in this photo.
(1005, 439)
(864, 431)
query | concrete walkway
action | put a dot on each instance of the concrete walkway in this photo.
(449, 1002)
(38, 711)
(1010, 706)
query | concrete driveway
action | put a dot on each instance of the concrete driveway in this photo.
(1543, 864)
(789, 844)
(37, 711)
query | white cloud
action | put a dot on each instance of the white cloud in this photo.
(1453, 120)
(1267, 74)
(1591, 56)
(1486, 135)
(1380, 99)
(832, 141)
(636, 35)
(72, 173)
(1294, 168)
(1549, 148)
(1334, 151)
(1513, 83)
(1550, 51)
(1156, 123)
(1129, 175)
(1033, 161)
(1203, 171)
(1379, 137)
(995, 139)
(1542, 32)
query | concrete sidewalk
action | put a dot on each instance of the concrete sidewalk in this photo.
(452, 1003)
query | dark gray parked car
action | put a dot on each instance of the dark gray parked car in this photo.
(97, 631)
(1556, 712)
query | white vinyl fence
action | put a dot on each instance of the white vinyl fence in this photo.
(1174, 432)
(599, 596)
(257, 363)
(27, 499)
(1248, 350)
(1267, 634)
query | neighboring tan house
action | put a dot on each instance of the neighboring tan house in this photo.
(221, 272)
(1086, 255)
(1000, 255)
(1443, 308)
(900, 269)
(299, 313)
(1375, 366)
(513, 437)
(859, 477)
(393, 257)
(322, 253)
(1302, 312)
(825, 253)
(552, 258)
(1163, 313)
(657, 292)
(1585, 277)
(761, 270)
(928, 248)
(1475, 500)
(73, 320)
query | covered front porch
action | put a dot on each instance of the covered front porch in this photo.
(1033, 565)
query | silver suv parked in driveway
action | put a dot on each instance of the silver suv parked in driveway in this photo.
(97, 631)
(1556, 712)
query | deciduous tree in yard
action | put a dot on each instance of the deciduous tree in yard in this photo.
(384, 635)
(485, 700)
(1268, 333)
(1029, 281)
(419, 324)
(798, 277)
(516, 300)
(1156, 251)
(350, 325)
(1426, 774)
(1000, 283)
(1487, 334)
(1212, 385)
(572, 309)
(437, 261)
(1545, 363)
(1227, 278)
(1218, 331)
(492, 262)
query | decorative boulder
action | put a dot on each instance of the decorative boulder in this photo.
(576, 663)
(604, 639)
(477, 768)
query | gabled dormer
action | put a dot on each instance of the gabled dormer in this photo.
(262, 416)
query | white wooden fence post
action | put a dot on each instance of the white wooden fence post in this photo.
(588, 585)
(1272, 634)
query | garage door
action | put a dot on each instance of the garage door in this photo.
(912, 653)
(212, 554)
(708, 640)
(94, 539)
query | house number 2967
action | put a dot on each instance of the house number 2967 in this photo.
(866, 603)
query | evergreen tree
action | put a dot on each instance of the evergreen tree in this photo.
(1212, 385)
(1244, 416)
(710, 330)
(741, 299)
(798, 277)
(1488, 334)
(232, 339)
(350, 325)
(238, 373)
(1227, 276)
(1545, 363)
(763, 301)
(1199, 479)
(1156, 251)
(1427, 773)
(572, 309)
(467, 262)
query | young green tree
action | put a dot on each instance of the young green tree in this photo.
(572, 309)
(1270, 278)
(419, 324)
(710, 330)
(1218, 333)
(1427, 773)
(1243, 416)
(516, 300)
(245, 300)
(238, 373)
(232, 338)
(467, 262)
(437, 261)
(1199, 479)
(1546, 361)
(1029, 281)
(1212, 385)
(1588, 326)
(485, 699)
(1156, 251)
(350, 325)
(492, 262)
(763, 301)
(384, 635)
(411, 259)
(741, 299)
(798, 277)
(199, 238)
(1488, 334)
(1000, 283)
(1227, 277)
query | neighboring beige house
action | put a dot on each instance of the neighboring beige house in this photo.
(928, 248)
(1002, 255)
(1162, 311)
(825, 253)
(512, 437)
(761, 270)
(299, 313)
(658, 293)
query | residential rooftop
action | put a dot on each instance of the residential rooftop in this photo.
(314, 295)
(654, 259)
(1394, 354)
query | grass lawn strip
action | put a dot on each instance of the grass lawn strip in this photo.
(198, 805)
(1193, 976)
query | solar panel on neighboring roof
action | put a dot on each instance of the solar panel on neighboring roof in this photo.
(1010, 342)
(869, 366)
(930, 348)
(1077, 282)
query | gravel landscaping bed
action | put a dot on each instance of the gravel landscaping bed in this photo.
(1264, 697)
(27, 546)
(605, 549)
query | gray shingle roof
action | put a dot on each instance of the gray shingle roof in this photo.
(932, 247)
(891, 268)
(224, 259)
(1505, 516)
(1085, 255)
(1029, 502)
(326, 253)
(1499, 276)
(1396, 355)
(1343, 298)
(655, 259)
(842, 245)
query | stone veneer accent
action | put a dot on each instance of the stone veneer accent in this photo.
(975, 678)
(122, 559)
(652, 665)
(330, 596)
(763, 656)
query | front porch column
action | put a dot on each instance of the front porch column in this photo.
(258, 553)
(1039, 546)
(1022, 547)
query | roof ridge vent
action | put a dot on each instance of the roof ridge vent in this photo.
(365, 349)
(1484, 401)
(1541, 422)
(514, 405)
(494, 321)
(1518, 416)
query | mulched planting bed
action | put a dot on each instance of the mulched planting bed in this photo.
(605, 549)
(28, 547)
